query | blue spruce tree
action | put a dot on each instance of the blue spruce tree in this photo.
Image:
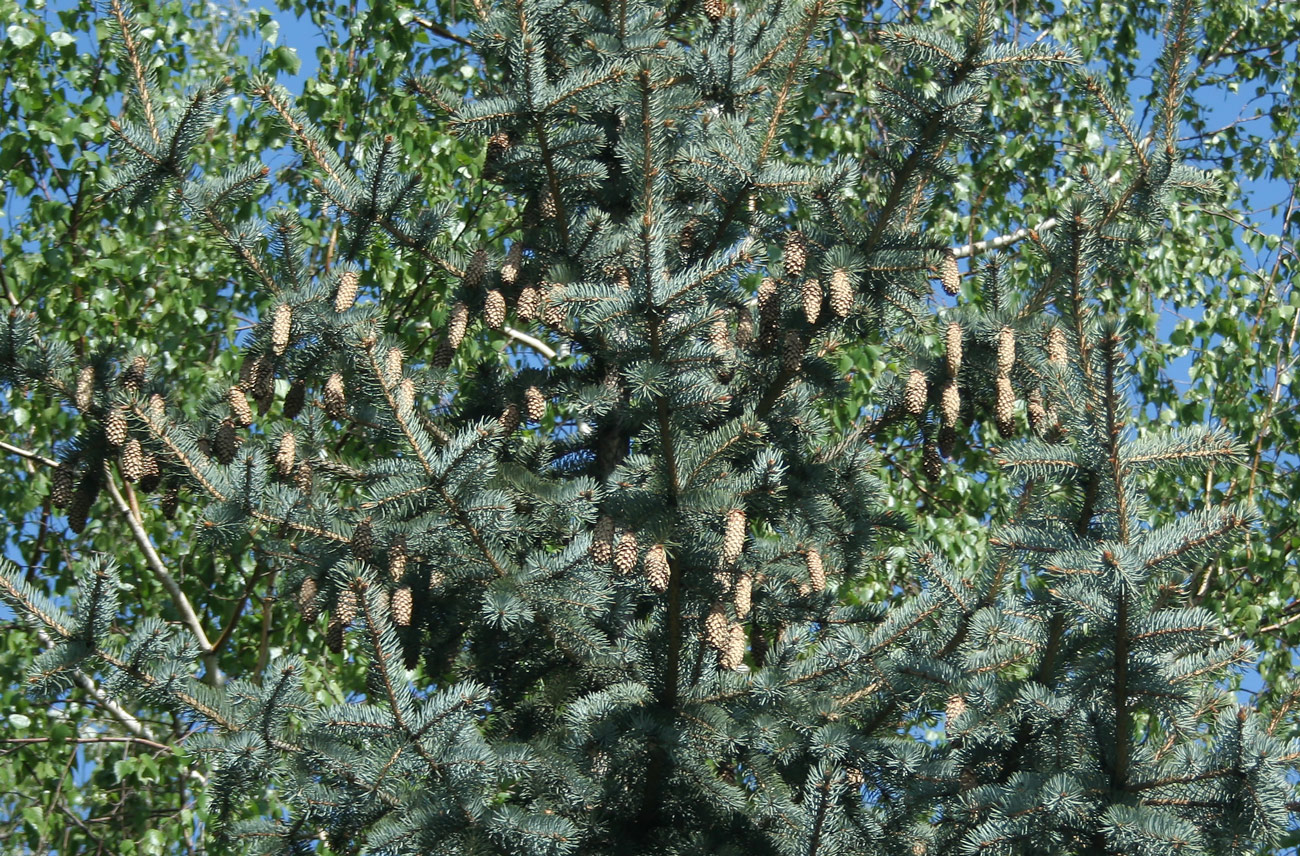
(600, 595)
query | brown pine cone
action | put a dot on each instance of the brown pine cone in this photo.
(732, 657)
(602, 540)
(132, 462)
(950, 404)
(529, 303)
(397, 558)
(401, 607)
(931, 461)
(657, 570)
(346, 294)
(841, 288)
(626, 554)
(1006, 350)
(792, 352)
(345, 607)
(914, 395)
(715, 10)
(306, 599)
(514, 261)
(733, 537)
(85, 394)
(363, 540)
(285, 456)
(717, 629)
(950, 274)
(769, 314)
(952, 344)
(475, 270)
(226, 443)
(115, 430)
(457, 323)
(795, 255)
(816, 570)
(494, 309)
(295, 399)
(1005, 407)
(63, 483)
(240, 413)
(1056, 348)
(508, 421)
(743, 594)
(811, 292)
(334, 398)
(281, 326)
(534, 405)
(133, 377)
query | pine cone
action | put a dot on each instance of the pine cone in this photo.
(549, 208)
(743, 594)
(1005, 406)
(950, 404)
(602, 540)
(401, 607)
(345, 607)
(285, 456)
(397, 558)
(393, 364)
(553, 312)
(811, 292)
(263, 383)
(133, 377)
(1056, 348)
(240, 413)
(914, 395)
(498, 145)
(732, 657)
(346, 294)
(622, 278)
(931, 461)
(62, 484)
(171, 501)
(514, 261)
(657, 571)
(494, 309)
(508, 421)
(717, 629)
(796, 254)
(82, 501)
(85, 394)
(302, 477)
(457, 322)
(132, 462)
(475, 270)
(720, 337)
(955, 707)
(534, 404)
(744, 328)
(150, 474)
(157, 409)
(841, 293)
(626, 554)
(769, 314)
(529, 303)
(947, 440)
(295, 399)
(306, 599)
(1037, 412)
(334, 636)
(363, 540)
(226, 443)
(715, 10)
(952, 344)
(950, 274)
(816, 571)
(733, 537)
(281, 326)
(334, 399)
(792, 352)
(1006, 350)
(115, 430)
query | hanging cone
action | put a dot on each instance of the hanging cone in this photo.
(549, 208)
(286, 454)
(914, 394)
(733, 537)
(950, 404)
(529, 304)
(841, 293)
(397, 558)
(334, 399)
(226, 443)
(240, 413)
(150, 474)
(717, 629)
(715, 10)
(170, 502)
(534, 404)
(85, 394)
(401, 607)
(658, 573)
(626, 554)
(1037, 412)
(302, 477)
(514, 260)
(792, 352)
(816, 571)
(157, 409)
(553, 311)
(769, 314)
(952, 345)
(132, 462)
(950, 274)
(393, 365)
(795, 255)
(345, 607)
(475, 270)
(508, 421)
(363, 540)
(811, 292)
(404, 397)
(295, 399)
(931, 461)
(732, 657)
(1005, 406)
(744, 328)
(494, 309)
(1006, 350)
(743, 594)
(334, 636)
(133, 377)
(346, 294)
(281, 326)
(306, 599)
(82, 501)
(602, 540)
(115, 430)
(1056, 349)
(457, 323)
(62, 484)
